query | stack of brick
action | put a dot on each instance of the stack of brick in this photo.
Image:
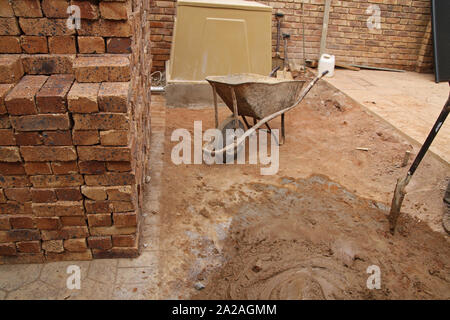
(399, 43)
(38, 30)
(72, 148)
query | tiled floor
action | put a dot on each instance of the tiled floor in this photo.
(409, 101)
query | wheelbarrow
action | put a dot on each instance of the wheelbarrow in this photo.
(259, 97)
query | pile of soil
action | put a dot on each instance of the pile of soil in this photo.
(313, 239)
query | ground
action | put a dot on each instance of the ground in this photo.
(310, 231)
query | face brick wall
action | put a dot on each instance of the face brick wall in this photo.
(74, 129)
(403, 41)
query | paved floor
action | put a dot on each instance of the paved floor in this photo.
(103, 279)
(409, 101)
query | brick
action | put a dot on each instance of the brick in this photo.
(10, 154)
(112, 230)
(64, 167)
(4, 122)
(82, 97)
(110, 179)
(99, 69)
(11, 168)
(91, 45)
(36, 168)
(21, 99)
(62, 44)
(2, 196)
(43, 195)
(29, 246)
(48, 223)
(73, 221)
(45, 27)
(98, 206)
(118, 166)
(53, 246)
(22, 222)
(27, 8)
(94, 193)
(57, 138)
(6, 9)
(65, 233)
(113, 96)
(69, 194)
(56, 181)
(115, 253)
(85, 137)
(4, 223)
(114, 138)
(58, 209)
(115, 10)
(10, 44)
(11, 69)
(124, 240)
(101, 121)
(91, 167)
(75, 245)
(46, 153)
(19, 235)
(48, 63)
(88, 9)
(105, 28)
(121, 206)
(100, 242)
(69, 256)
(21, 258)
(5, 88)
(18, 194)
(34, 44)
(7, 137)
(14, 181)
(118, 45)
(100, 153)
(28, 138)
(119, 193)
(99, 220)
(7, 249)
(11, 208)
(52, 97)
(55, 8)
(41, 122)
(9, 27)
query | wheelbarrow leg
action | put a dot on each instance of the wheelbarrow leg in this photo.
(282, 130)
(216, 111)
(246, 122)
(235, 109)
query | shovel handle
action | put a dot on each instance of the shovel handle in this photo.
(437, 126)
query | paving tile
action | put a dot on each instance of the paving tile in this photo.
(136, 275)
(90, 290)
(55, 273)
(37, 290)
(103, 270)
(14, 276)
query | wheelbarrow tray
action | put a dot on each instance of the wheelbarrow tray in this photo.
(257, 96)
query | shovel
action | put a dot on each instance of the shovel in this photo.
(399, 192)
(278, 61)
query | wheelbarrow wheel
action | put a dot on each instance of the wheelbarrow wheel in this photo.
(229, 124)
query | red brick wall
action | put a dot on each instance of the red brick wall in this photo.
(398, 44)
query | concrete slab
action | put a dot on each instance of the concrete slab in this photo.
(409, 101)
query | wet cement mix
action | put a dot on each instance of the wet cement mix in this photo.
(312, 230)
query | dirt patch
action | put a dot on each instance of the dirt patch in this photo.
(208, 213)
(313, 239)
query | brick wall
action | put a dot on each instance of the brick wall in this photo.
(73, 124)
(403, 41)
